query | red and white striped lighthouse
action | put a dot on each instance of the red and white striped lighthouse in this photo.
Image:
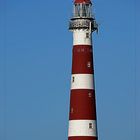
(82, 117)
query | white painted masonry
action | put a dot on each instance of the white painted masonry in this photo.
(82, 37)
(82, 81)
(81, 128)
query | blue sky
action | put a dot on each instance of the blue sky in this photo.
(35, 69)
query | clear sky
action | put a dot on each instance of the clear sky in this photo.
(35, 69)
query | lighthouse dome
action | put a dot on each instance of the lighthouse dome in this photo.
(82, 1)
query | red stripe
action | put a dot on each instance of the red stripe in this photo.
(82, 138)
(82, 59)
(82, 104)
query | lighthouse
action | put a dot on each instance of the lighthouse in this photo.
(82, 115)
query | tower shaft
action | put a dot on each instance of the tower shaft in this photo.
(82, 116)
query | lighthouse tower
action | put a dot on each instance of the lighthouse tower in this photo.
(82, 116)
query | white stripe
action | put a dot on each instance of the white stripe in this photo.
(81, 128)
(80, 37)
(82, 81)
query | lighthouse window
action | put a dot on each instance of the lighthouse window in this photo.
(73, 79)
(82, 10)
(88, 10)
(88, 64)
(89, 95)
(71, 110)
(77, 10)
(90, 126)
(87, 35)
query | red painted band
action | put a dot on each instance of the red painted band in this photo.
(83, 138)
(82, 105)
(82, 59)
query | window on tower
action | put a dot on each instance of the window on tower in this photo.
(73, 78)
(88, 64)
(71, 110)
(87, 35)
(89, 95)
(90, 126)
